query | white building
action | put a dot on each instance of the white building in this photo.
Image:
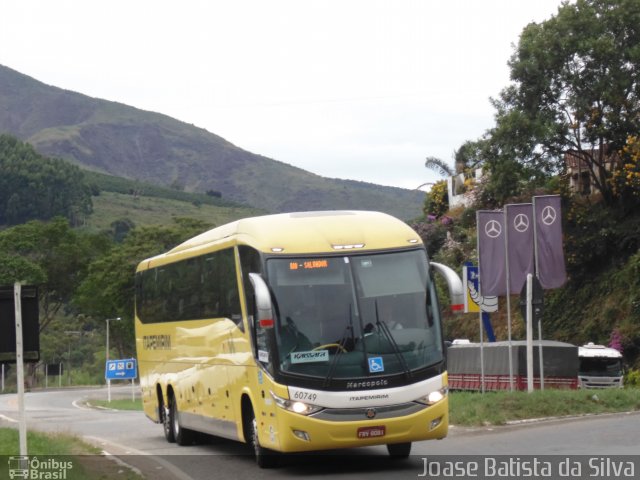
(462, 194)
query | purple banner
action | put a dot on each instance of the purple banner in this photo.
(549, 252)
(519, 222)
(491, 252)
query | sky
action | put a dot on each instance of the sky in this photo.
(356, 89)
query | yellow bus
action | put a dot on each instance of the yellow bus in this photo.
(295, 332)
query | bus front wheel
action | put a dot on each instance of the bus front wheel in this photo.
(399, 450)
(265, 458)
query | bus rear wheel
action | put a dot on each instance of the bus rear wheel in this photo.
(181, 436)
(399, 450)
(166, 425)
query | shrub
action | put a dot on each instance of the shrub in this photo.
(632, 378)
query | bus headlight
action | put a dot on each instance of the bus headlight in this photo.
(296, 406)
(434, 397)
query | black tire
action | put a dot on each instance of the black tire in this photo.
(182, 436)
(166, 424)
(399, 450)
(265, 458)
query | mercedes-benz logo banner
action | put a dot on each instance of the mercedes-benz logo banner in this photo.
(550, 261)
(491, 252)
(519, 221)
(522, 236)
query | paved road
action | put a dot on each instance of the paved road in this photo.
(141, 443)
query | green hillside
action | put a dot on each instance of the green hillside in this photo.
(120, 140)
(110, 207)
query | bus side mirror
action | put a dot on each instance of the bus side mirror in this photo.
(263, 301)
(456, 292)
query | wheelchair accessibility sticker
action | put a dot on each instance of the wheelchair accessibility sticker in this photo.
(376, 364)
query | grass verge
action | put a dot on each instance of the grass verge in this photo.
(59, 456)
(498, 408)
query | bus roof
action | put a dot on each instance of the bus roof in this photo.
(312, 232)
(301, 233)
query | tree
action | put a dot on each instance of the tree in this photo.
(439, 166)
(35, 187)
(575, 88)
(626, 179)
(466, 158)
(120, 228)
(108, 289)
(51, 255)
(436, 201)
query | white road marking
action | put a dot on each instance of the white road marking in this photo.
(120, 462)
(8, 419)
(77, 405)
(175, 471)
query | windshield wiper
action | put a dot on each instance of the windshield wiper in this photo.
(382, 325)
(341, 344)
(293, 330)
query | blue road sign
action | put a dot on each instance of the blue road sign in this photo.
(121, 369)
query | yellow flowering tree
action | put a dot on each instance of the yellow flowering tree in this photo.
(625, 181)
(437, 200)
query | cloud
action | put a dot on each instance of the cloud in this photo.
(364, 89)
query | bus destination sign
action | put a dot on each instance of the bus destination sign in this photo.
(309, 265)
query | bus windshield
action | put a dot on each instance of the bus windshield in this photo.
(355, 316)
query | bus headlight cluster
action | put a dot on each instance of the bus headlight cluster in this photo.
(434, 397)
(296, 406)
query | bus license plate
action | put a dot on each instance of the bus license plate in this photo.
(371, 432)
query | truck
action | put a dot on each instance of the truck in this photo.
(600, 367)
(560, 364)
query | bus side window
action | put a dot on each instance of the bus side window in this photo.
(263, 351)
(190, 290)
(209, 299)
(165, 298)
(249, 263)
(228, 287)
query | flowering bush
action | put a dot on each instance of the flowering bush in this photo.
(615, 341)
(433, 235)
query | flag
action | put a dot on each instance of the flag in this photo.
(473, 301)
(519, 222)
(548, 241)
(470, 286)
(491, 252)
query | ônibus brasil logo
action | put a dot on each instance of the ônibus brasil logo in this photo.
(38, 469)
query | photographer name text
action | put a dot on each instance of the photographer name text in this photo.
(518, 467)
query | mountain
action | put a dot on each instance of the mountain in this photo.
(120, 140)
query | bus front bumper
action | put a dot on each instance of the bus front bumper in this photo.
(298, 433)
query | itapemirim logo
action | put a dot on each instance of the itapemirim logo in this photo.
(34, 468)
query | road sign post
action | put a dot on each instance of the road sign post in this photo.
(537, 307)
(17, 291)
(123, 369)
